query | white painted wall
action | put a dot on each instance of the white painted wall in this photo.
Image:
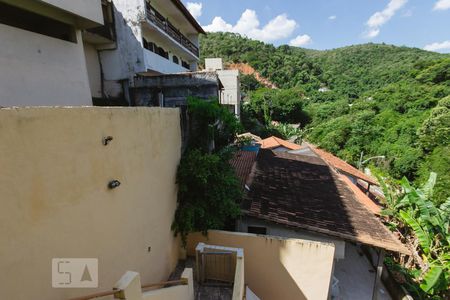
(38, 70)
(93, 69)
(88, 9)
(231, 94)
(213, 64)
(155, 62)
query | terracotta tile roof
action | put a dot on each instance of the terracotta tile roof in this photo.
(341, 165)
(242, 162)
(361, 197)
(274, 142)
(302, 191)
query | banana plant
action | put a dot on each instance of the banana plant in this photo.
(430, 225)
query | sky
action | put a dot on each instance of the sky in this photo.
(328, 24)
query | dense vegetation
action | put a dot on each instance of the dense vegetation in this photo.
(208, 189)
(375, 99)
(425, 228)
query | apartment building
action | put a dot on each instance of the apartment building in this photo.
(152, 38)
(42, 59)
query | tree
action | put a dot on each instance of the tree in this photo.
(208, 189)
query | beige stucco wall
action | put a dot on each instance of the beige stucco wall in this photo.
(288, 232)
(277, 268)
(39, 70)
(55, 201)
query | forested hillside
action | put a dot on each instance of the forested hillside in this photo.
(374, 98)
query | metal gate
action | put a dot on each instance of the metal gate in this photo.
(217, 267)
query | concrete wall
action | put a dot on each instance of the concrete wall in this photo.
(128, 58)
(231, 93)
(277, 268)
(284, 231)
(88, 9)
(81, 13)
(213, 64)
(93, 70)
(55, 200)
(174, 88)
(154, 61)
(41, 70)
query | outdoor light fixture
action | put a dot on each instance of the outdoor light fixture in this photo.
(106, 140)
(113, 184)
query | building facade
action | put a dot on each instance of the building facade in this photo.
(230, 95)
(153, 38)
(42, 58)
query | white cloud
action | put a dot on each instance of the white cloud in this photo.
(301, 40)
(380, 18)
(195, 8)
(442, 5)
(248, 24)
(332, 18)
(438, 47)
(371, 33)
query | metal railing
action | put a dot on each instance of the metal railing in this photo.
(164, 24)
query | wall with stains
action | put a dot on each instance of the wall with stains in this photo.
(40, 70)
(55, 200)
(278, 268)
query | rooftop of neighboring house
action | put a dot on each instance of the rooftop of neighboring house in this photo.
(242, 162)
(341, 165)
(303, 191)
(273, 142)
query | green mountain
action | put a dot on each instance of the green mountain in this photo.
(373, 98)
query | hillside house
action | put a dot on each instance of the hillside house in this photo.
(300, 195)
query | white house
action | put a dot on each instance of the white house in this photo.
(42, 58)
(152, 37)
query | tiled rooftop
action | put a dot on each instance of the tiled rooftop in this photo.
(341, 165)
(303, 191)
(242, 162)
(274, 142)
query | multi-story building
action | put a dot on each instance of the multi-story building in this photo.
(42, 58)
(153, 37)
(230, 95)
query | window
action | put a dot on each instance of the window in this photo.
(185, 64)
(175, 60)
(26, 20)
(160, 51)
(257, 229)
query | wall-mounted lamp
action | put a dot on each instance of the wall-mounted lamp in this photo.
(106, 140)
(113, 184)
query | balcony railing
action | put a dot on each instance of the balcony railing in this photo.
(162, 23)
